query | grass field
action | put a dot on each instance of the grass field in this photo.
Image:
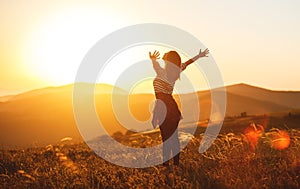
(257, 159)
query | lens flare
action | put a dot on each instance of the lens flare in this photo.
(216, 117)
(280, 139)
(252, 135)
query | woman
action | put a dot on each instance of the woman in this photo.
(166, 113)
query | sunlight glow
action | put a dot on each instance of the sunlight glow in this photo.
(57, 45)
(145, 86)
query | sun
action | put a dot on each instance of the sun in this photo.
(57, 44)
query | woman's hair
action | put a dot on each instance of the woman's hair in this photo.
(173, 69)
(173, 57)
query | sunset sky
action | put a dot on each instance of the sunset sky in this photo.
(43, 42)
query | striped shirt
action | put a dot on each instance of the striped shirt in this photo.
(161, 83)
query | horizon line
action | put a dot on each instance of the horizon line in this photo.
(201, 90)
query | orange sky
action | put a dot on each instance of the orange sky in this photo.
(255, 42)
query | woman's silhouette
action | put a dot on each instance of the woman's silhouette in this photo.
(166, 113)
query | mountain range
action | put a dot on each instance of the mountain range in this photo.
(44, 116)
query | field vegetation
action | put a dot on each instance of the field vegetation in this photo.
(256, 158)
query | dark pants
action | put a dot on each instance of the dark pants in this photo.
(169, 133)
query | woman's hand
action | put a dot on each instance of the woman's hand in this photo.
(154, 56)
(204, 53)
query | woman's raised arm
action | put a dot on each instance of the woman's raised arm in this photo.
(199, 55)
(154, 58)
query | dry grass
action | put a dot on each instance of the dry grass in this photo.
(231, 162)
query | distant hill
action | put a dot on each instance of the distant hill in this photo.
(42, 116)
(45, 115)
(99, 89)
(284, 98)
(6, 98)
